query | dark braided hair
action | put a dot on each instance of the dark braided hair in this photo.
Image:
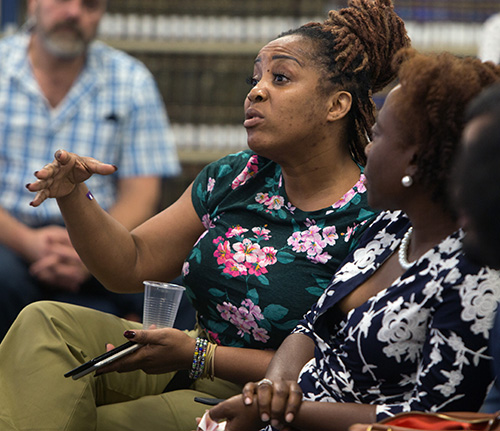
(356, 46)
(437, 89)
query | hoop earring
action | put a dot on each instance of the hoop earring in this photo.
(407, 181)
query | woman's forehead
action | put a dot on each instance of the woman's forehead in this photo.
(294, 46)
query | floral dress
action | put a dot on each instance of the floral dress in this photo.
(420, 344)
(262, 263)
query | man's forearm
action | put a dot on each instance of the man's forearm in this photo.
(14, 234)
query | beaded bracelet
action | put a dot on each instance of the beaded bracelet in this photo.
(200, 352)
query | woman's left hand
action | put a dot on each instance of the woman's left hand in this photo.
(164, 350)
(278, 401)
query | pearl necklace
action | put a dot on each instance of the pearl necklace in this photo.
(403, 251)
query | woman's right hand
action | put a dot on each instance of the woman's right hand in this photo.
(164, 350)
(59, 178)
(278, 400)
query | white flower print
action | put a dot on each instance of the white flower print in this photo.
(479, 298)
(404, 331)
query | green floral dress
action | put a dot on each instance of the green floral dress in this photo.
(262, 263)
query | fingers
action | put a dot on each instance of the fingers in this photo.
(150, 336)
(278, 401)
(264, 397)
(293, 403)
(248, 393)
(39, 198)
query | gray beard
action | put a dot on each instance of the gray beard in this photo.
(63, 49)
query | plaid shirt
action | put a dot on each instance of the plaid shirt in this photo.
(113, 113)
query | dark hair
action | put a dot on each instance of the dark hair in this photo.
(437, 89)
(476, 179)
(356, 46)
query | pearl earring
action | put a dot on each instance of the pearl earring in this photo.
(407, 181)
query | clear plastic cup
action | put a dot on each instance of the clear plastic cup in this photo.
(161, 302)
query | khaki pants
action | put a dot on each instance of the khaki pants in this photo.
(50, 338)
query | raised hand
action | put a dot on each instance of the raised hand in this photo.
(59, 178)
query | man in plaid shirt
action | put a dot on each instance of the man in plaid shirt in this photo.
(59, 88)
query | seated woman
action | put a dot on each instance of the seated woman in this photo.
(257, 236)
(404, 324)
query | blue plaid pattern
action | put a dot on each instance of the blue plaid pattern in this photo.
(113, 113)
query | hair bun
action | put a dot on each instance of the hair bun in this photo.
(373, 28)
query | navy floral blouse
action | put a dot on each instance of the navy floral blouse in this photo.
(262, 263)
(420, 344)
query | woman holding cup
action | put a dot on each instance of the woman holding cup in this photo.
(257, 237)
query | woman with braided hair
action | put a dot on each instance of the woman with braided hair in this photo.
(257, 237)
(404, 324)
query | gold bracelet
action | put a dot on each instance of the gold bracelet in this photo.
(209, 370)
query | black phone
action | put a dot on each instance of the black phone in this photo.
(104, 359)
(208, 401)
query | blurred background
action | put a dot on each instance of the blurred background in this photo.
(202, 51)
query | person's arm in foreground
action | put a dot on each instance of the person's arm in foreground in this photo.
(280, 403)
(312, 416)
(168, 350)
(120, 259)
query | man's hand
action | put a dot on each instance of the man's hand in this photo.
(53, 259)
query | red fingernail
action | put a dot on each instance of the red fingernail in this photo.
(129, 334)
(27, 186)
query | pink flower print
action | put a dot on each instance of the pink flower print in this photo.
(344, 199)
(243, 320)
(320, 258)
(210, 184)
(330, 235)
(247, 251)
(360, 185)
(252, 308)
(185, 269)
(223, 252)
(269, 256)
(234, 269)
(275, 202)
(348, 234)
(297, 243)
(257, 269)
(261, 198)
(218, 239)
(309, 222)
(290, 208)
(226, 310)
(200, 238)
(249, 171)
(235, 231)
(261, 232)
(314, 241)
(207, 222)
(260, 334)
